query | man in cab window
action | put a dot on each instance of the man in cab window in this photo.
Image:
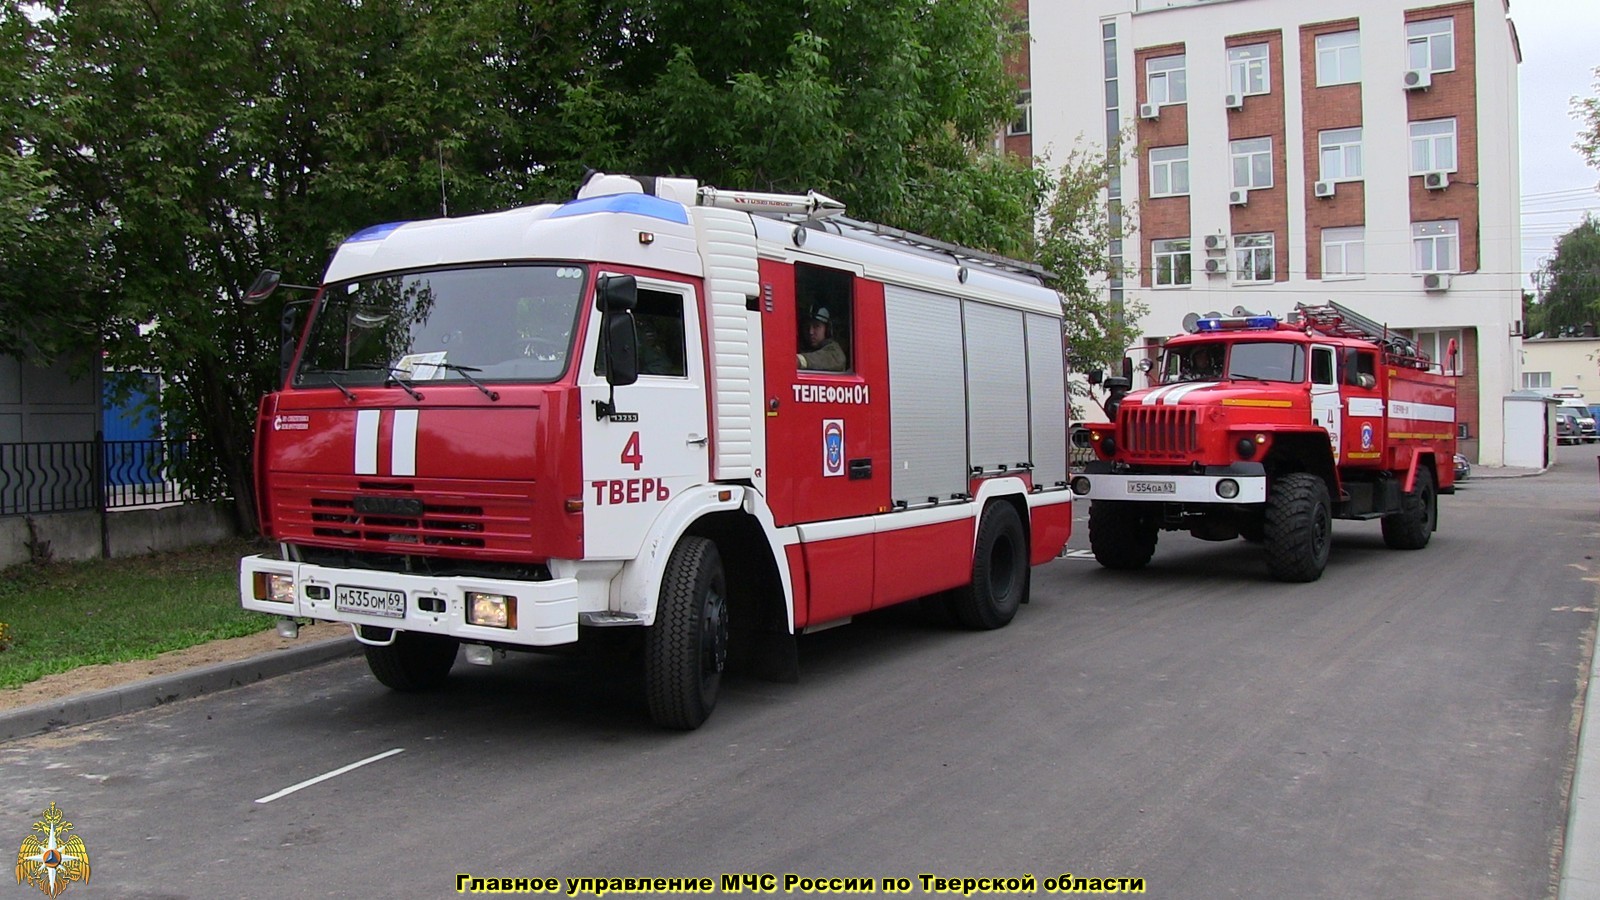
(822, 352)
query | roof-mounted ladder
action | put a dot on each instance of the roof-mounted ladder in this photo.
(1338, 321)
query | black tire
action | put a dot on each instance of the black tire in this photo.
(686, 649)
(1299, 527)
(999, 571)
(1412, 526)
(1122, 534)
(414, 662)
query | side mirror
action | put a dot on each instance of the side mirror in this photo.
(262, 287)
(616, 293)
(1095, 376)
(620, 346)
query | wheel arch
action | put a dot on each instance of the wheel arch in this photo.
(1301, 451)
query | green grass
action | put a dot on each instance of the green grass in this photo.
(65, 615)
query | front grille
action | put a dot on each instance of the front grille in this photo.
(438, 526)
(493, 518)
(1160, 430)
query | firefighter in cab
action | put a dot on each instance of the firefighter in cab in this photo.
(823, 353)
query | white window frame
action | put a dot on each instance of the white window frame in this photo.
(1428, 137)
(1346, 245)
(1169, 165)
(1345, 147)
(1428, 239)
(1172, 263)
(1535, 380)
(1426, 36)
(1171, 74)
(1338, 58)
(1436, 343)
(1022, 123)
(1251, 150)
(1249, 251)
(1246, 63)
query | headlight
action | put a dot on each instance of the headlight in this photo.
(491, 610)
(1080, 485)
(274, 586)
(1227, 489)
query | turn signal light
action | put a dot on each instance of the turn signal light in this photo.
(273, 586)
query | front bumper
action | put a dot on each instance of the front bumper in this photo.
(1171, 488)
(547, 611)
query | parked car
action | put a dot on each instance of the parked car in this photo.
(1463, 468)
(1567, 431)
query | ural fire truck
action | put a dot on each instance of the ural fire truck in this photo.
(1269, 430)
(523, 429)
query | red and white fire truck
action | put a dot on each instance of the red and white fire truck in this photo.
(1269, 430)
(716, 418)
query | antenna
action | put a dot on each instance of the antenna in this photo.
(444, 202)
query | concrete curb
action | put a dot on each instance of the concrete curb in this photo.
(1580, 854)
(38, 718)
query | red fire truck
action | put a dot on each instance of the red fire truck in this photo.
(1269, 430)
(709, 419)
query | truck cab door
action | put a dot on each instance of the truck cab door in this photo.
(654, 444)
(1325, 401)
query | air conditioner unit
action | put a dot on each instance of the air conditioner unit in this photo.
(1216, 267)
(1216, 242)
(1323, 189)
(1149, 110)
(1436, 282)
(1233, 101)
(1418, 79)
(1238, 197)
(1435, 181)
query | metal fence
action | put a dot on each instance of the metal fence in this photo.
(69, 476)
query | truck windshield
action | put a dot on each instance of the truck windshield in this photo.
(502, 323)
(1241, 361)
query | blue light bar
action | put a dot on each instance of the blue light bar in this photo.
(1233, 323)
(374, 233)
(637, 204)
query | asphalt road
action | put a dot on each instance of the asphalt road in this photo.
(1404, 727)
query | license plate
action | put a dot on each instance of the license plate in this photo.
(1152, 487)
(370, 601)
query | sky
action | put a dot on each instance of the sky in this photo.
(1560, 52)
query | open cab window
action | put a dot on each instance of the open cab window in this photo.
(825, 313)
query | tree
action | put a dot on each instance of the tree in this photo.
(1587, 111)
(1076, 245)
(1572, 279)
(158, 154)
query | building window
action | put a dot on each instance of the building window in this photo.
(1535, 380)
(1247, 70)
(1166, 80)
(1344, 253)
(1169, 171)
(1252, 163)
(1023, 122)
(1436, 344)
(1253, 258)
(1433, 146)
(1338, 58)
(1341, 154)
(1172, 265)
(1435, 247)
(1431, 45)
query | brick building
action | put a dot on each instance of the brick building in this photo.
(1277, 152)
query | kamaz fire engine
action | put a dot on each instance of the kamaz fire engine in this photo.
(1269, 430)
(515, 430)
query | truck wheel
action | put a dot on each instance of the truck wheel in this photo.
(1410, 528)
(1299, 527)
(414, 662)
(687, 647)
(999, 571)
(1122, 534)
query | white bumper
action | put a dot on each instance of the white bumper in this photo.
(547, 611)
(1171, 488)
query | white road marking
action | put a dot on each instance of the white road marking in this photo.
(326, 775)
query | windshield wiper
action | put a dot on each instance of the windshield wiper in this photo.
(1241, 377)
(395, 376)
(348, 394)
(466, 373)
